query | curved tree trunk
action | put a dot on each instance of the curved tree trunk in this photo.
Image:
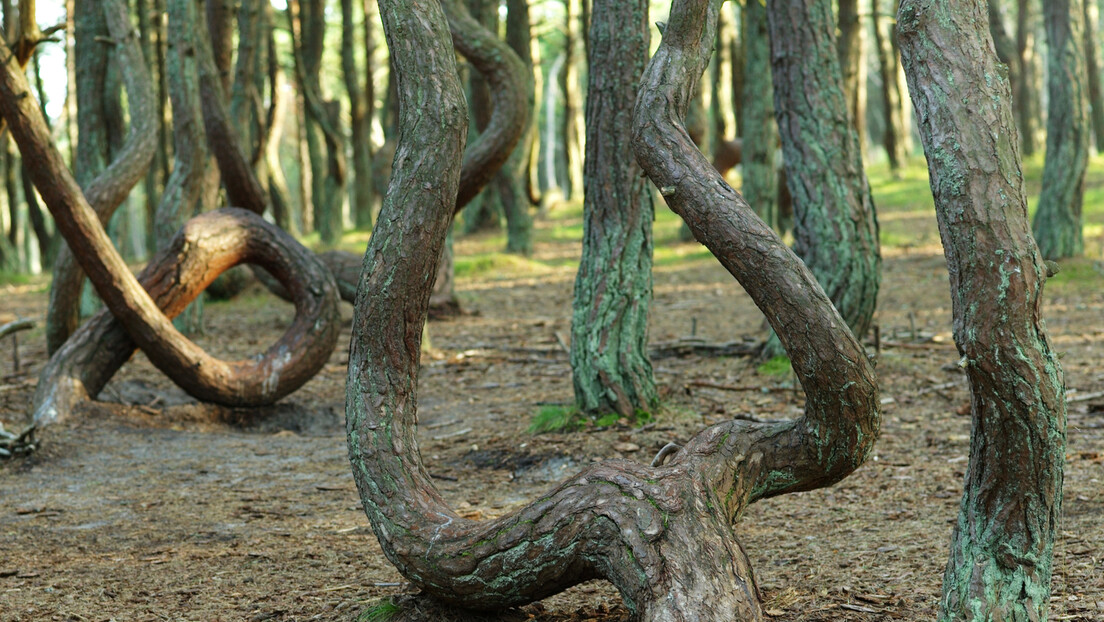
(105, 188)
(1001, 551)
(835, 229)
(662, 535)
(256, 381)
(1057, 224)
(610, 369)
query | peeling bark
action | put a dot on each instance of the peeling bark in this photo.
(1002, 548)
(661, 535)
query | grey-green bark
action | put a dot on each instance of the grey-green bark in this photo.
(757, 127)
(512, 179)
(613, 289)
(1001, 558)
(835, 227)
(1057, 224)
(1093, 67)
(661, 535)
(359, 117)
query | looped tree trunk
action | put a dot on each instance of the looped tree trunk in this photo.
(661, 535)
(285, 367)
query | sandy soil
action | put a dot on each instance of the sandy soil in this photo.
(148, 506)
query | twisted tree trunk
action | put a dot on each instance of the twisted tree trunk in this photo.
(1001, 551)
(662, 535)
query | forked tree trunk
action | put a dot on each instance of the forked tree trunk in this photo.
(662, 535)
(835, 229)
(106, 189)
(757, 128)
(1002, 549)
(1057, 224)
(291, 362)
(610, 369)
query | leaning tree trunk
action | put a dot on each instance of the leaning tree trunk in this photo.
(610, 369)
(1002, 549)
(232, 235)
(662, 535)
(757, 133)
(104, 188)
(1057, 224)
(835, 230)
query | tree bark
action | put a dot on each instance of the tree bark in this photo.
(512, 180)
(895, 140)
(571, 123)
(485, 211)
(757, 131)
(108, 188)
(360, 120)
(850, 47)
(662, 535)
(610, 369)
(1093, 68)
(835, 230)
(1057, 224)
(1027, 96)
(256, 381)
(1001, 551)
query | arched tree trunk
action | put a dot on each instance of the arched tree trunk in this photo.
(835, 228)
(1057, 224)
(662, 535)
(282, 369)
(610, 369)
(106, 190)
(1001, 557)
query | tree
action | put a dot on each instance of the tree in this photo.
(896, 139)
(1001, 551)
(851, 48)
(513, 180)
(613, 289)
(1092, 68)
(663, 534)
(835, 230)
(757, 128)
(360, 114)
(1027, 96)
(1057, 224)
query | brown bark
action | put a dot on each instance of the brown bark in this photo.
(284, 367)
(850, 46)
(662, 535)
(1001, 551)
(109, 188)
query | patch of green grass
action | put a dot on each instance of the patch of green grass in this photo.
(606, 420)
(551, 418)
(777, 366)
(14, 278)
(382, 611)
(1077, 275)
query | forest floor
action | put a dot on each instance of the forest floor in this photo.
(149, 506)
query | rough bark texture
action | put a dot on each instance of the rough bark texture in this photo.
(1001, 551)
(105, 188)
(1092, 68)
(757, 129)
(1057, 224)
(256, 381)
(610, 369)
(835, 229)
(661, 535)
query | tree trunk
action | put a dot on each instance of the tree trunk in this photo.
(106, 189)
(512, 180)
(1001, 551)
(895, 139)
(360, 120)
(260, 380)
(1057, 224)
(613, 289)
(757, 131)
(485, 212)
(1093, 68)
(835, 231)
(571, 124)
(662, 535)
(1027, 97)
(739, 62)
(852, 61)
